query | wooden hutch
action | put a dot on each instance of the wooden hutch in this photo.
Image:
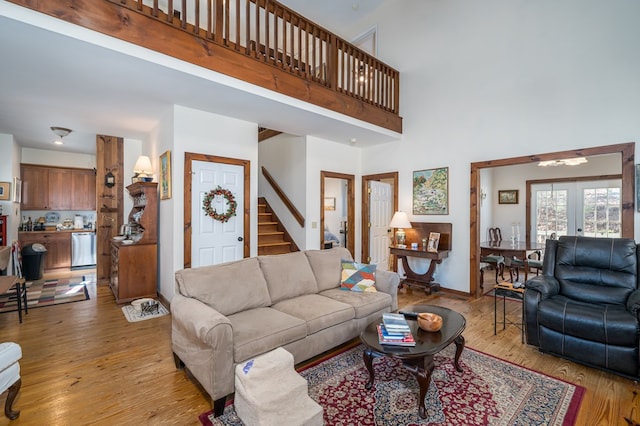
(134, 265)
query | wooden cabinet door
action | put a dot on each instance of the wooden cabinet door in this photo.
(83, 187)
(60, 189)
(35, 190)
(58, 250)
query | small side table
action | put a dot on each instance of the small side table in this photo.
(505, 290)
(426, 280)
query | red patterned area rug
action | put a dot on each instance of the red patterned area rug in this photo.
(490, 391)
(47, 293)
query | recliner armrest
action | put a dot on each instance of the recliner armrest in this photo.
(633, 303)
(547, 286)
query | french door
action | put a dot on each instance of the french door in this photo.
(589, 208)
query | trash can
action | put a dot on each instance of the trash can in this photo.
(33, 261)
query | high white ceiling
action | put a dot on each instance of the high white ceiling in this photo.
(48, 78)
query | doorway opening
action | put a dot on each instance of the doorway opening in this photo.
(337, 214)
(627, 159)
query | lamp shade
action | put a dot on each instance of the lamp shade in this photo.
(400, 220)
(143, 165)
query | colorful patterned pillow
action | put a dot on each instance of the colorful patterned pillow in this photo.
(358, 276)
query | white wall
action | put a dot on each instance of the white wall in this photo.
(499, 79)
(284, 158)
(324, 155)
(10, 168)
(58, 159)
(203, 133)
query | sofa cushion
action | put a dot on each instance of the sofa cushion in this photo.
(326, 266)
(260, 330)
(608, 324)
(287, 275)
(319, 312)
(358, 276)
(364, 304)
(228, 287)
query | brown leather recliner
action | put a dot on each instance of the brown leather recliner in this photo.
(586, 304)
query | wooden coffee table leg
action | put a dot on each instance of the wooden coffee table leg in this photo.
(459, 348)
(367, 356)
(422, 369)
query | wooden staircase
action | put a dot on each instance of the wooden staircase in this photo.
(272, 236)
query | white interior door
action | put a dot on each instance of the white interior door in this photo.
(379, 216)
(212, 241)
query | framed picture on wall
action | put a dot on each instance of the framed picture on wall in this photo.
(165, 175)
(431, 191)
(329, 203)
(4, 190)
(508, 196)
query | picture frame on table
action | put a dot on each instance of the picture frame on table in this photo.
(431, 191)
(434, 241)
(509, 196)
(165, 175)
(4, 190)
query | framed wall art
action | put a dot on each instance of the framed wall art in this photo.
(165, 175)
(508, 196)
(4, 190)
(431, 191)
(329, 203)
(17, 190)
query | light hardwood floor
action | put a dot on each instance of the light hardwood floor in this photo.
(83, 363)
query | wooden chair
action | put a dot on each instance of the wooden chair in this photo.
(13, 284)
(533, 261)
(493, 261)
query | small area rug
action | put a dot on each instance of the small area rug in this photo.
(489, 391)
(132, 315)
(42, 293)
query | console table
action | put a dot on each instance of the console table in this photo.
(422, 280)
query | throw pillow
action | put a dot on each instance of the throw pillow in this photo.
(358, 276)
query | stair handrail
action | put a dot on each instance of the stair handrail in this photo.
(280, 193)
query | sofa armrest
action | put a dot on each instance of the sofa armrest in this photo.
(633, 303)
(388, 282)
(547, 286)
(203, 340)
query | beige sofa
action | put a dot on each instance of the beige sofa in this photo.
(228, 313)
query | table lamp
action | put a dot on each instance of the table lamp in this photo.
(400, 221)
(143, 169)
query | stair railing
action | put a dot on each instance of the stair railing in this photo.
(274, 34)
(287, 202)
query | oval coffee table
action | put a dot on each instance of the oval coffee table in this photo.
(417, 359)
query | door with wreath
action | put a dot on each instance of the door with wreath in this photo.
(216, 212)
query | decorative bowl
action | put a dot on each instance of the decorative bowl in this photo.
(119, 238)
(429, 321)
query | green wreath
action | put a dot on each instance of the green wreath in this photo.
(231, 202)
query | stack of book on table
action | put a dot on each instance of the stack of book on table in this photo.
(395, 330)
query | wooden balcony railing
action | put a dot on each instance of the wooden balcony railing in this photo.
(274, 34)
(258, 41)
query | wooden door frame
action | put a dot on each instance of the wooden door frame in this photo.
(189, 157)
(366, 214)
(626, 151)
(351, 179)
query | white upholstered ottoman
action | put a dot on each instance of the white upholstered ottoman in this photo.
(269, 392)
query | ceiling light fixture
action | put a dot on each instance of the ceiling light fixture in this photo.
(564, 162)
(60, 132)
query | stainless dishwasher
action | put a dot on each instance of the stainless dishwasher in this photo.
(83, 249)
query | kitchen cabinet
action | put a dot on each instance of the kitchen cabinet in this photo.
(58, 245)
(57, 188)
(133, 271)
(83, 186)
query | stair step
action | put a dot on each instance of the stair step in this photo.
(275, 244)
(270, 237)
